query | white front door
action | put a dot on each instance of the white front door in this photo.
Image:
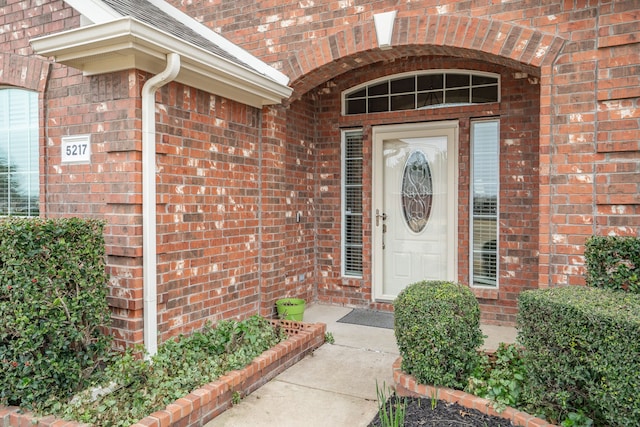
(414, 205)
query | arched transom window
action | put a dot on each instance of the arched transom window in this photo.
(428, 89)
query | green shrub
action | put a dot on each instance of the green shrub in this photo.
(53, 288)
(613, 262)
(582, 353)
(437, 326)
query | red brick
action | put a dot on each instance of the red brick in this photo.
(214, 189)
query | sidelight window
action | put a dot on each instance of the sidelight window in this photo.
(352, 203)
(485, 174)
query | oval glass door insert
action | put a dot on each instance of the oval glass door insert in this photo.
(417, 191)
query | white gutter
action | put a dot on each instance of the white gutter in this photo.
(149, 261)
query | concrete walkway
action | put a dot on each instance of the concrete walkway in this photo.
(336, 385)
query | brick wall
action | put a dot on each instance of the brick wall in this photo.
(590, 139)
(208, 213)
(584, 54)
(231, 179)
(228, 187)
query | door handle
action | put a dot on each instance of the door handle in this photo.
(378, 216)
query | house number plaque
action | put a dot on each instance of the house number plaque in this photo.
(76, 149)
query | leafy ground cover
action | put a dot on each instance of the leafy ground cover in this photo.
(131, 386)
(500, 378)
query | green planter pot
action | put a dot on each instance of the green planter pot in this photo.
(290, 308)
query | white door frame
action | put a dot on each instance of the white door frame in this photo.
(412, 130)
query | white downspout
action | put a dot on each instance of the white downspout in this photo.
(149, 261)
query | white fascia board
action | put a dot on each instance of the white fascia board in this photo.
(94, 10)
(223, 43)
(127, 43)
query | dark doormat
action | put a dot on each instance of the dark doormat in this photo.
(366, 317)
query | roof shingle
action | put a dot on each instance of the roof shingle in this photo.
(150, 14)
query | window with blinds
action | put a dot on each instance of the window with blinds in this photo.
(352, 203)
(19, 160)
(485, 178)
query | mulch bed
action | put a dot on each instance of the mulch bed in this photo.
(420, 414)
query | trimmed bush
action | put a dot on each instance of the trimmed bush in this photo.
(437, 326)
(582, 353)
(613, 262)
(53, 288)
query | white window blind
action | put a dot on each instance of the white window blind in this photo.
(352, 203)
(19, 160)
(485, 170)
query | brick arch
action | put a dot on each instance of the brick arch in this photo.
(27, 72)
(518, 47)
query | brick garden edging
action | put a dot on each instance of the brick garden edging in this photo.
(406, 385)
(209, 401)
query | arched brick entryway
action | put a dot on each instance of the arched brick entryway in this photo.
(319, 64)
(497, 42)
(514, 46)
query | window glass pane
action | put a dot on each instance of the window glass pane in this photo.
(379, 89)
(456, 96)
(403, 102)
(408, 84)
(353, 261)
(353, 228)
(485, 159)
(353, 147)
(430, 82)
(458, 80)
(4, 189)
(484, 94)
(358, 94)
(19, 160)
(485, 187)
(377, 105)
(353, 171)
(20, 194)
(484, 252)
(430, 98)
(34, 193)
(353, 199)
(483, 80)
(356, 106)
